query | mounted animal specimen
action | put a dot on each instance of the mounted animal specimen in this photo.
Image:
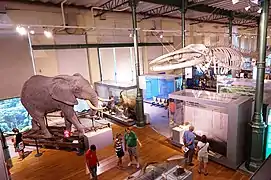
(128, 104)
(222, 59)
(41, 95)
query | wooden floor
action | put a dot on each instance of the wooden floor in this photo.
(63, 165)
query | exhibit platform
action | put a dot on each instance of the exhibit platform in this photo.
(117, 119)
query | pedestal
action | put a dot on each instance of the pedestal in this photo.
(101, 138)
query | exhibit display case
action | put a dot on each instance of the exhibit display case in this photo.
(122, 107)
(161, 85)
(165, 171)
(13, 114)
(112, 88)
(222, 117)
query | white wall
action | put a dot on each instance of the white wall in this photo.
(15, 65)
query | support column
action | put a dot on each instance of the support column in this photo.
(233, 72)
(183, 11)
(140, 120)
(257, 125)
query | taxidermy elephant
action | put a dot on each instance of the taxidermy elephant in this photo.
(41, 95)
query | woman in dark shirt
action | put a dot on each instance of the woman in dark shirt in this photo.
(18, 143)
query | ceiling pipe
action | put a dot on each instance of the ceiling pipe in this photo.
(63, 15)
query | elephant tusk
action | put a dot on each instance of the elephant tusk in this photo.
(104, 100)
(93, 107)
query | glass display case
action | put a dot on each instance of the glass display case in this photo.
(222, 117)
(165, 171)
(13, 115)
(112, 88)
(161, 85)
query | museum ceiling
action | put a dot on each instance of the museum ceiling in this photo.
(244, 12)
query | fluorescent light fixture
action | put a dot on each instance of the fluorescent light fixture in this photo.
(235, 1)
(32, 32)
(21, 30)
(259, 11)
(247, 8)
(245, 36)
(161, 36)
(48, 34)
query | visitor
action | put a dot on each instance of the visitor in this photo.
(119, 149)
(189, 142)
(131, 141)
(172, 108)
(202, 149)
(92, 161)
(18, 143)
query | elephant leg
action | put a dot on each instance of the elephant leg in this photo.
(35, 126)
(78, 126)
(44, 130)
(68, 125)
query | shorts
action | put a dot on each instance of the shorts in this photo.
(132, 151)
(120, 154)
(203, 159)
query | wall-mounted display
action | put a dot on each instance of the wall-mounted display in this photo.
(161, 85)
(221, 117)
(245, 87)
(13, 115)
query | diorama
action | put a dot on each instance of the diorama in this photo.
(159, 86)
(121, 102)
(13, 115)
(221, 117)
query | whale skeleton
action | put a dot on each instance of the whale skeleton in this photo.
(222, 59)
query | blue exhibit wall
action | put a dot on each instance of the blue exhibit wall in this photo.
(13, 115)
(161, 87)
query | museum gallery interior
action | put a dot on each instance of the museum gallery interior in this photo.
(135, 89)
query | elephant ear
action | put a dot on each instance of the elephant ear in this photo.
(60, 90)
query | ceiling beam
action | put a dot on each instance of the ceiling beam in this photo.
(202, 8)
(110, 6)
(162, 10)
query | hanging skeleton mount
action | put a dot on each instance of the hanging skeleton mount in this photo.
(222, 59)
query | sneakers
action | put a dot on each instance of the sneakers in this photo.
(137, 165)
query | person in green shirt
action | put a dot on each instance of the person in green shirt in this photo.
(131, 141)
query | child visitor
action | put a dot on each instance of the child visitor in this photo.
(18, 143)
(202, 149)
(92, 161)
(119, 149)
